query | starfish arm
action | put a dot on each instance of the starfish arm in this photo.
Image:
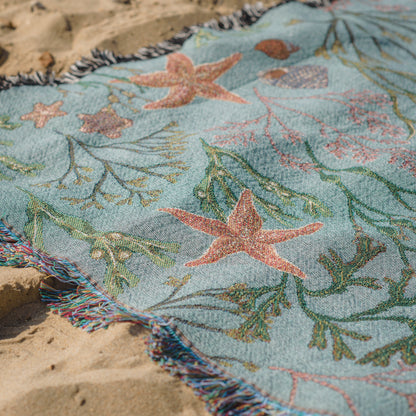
(207, 89)
(56, 105)
(180, 65)
(177, 97)
(278, 236)
(28, 116)
(40, 122)
(206, 225)
(160, 79)
(220, 248)
(212, 71)
(267, 254)
(244, 220)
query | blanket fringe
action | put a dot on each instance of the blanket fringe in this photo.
(223, 394)
(87, 307)
(240, 19)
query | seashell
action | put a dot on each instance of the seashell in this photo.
(276, 48)
(307, 76)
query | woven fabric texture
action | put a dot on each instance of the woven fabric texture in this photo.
(250, 196)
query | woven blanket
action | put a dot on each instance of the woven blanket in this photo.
(248, 194)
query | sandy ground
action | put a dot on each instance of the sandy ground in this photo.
(47, 367)
(70, 29)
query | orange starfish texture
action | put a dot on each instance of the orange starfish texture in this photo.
(187, 81)
(243, 232)
(42, 113)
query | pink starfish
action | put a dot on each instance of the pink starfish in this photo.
(243, 232)
(106, 122)
(187, 81)
(42, 113)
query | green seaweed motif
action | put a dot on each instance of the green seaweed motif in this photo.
(258, 307)
(117, 94)
(5, 123)
(114, 247)
(217, 173)
(162, 147)
(383, 29)
(246, 302)
(17, 166)
(401, 231)
(203, 38)
(11, 163)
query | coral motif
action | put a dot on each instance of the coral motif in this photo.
(276, 48)
(257, 305)
(106, 122)
(306, 76)
(187, 81)
(389, 381)
(42, 113)
(243, 232)
(342, 142)
(374, 38)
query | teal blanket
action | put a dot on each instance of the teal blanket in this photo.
(251, 198)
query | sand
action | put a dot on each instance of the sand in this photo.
(47, 367)
(70, 29)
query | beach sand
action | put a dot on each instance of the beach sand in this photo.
(47, 366)
(68, 30)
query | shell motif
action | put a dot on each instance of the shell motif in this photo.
(276, 48)
(307, 76)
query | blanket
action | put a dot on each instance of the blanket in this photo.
(248, 194)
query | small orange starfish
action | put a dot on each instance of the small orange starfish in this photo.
(42, 113)
(243, 232)
(186, 81)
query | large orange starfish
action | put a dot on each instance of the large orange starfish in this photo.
(186, 81)
(243, 232)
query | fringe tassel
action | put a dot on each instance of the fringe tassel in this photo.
(85, 306)
(87, 309)
(223, 394)
(245, 17)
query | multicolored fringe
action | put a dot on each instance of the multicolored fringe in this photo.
(88, 307)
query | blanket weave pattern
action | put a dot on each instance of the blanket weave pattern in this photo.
(250, 197)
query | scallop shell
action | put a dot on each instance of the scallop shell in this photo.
(307, 76)
(276, 48)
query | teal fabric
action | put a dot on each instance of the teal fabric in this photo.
(305, 119)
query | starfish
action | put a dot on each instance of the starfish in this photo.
(187, 81)
(42, 113)
(243, 232)
(106, 122)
